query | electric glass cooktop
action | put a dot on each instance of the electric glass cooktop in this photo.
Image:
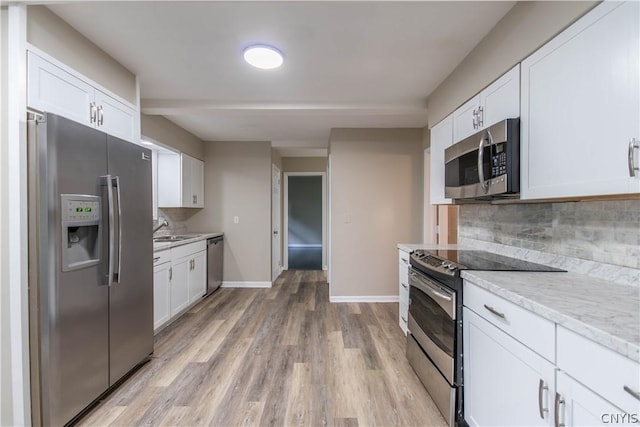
(487, 261)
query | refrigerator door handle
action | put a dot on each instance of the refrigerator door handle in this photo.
(116, 277)
(109, 184)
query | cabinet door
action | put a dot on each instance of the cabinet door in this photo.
(197, 182)
(169, 180)
(198, 276)
(579, 406)
(115, 117)
(580, 107)
(51, 89)
(501, 100)
(505, 383)
(179, 285)
(161, 295)
(441, 138)
(465, 123)
(186, 177)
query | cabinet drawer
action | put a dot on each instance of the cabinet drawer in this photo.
(403, 316)
(403, 293)
(403, 258)
(160, 257)
(528, 328)
(188, 249)
(608, 376)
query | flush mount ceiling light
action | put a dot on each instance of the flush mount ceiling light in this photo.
(263, 56)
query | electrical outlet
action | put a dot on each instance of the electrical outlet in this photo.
(236, 220)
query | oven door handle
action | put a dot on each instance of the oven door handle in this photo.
(442, 297)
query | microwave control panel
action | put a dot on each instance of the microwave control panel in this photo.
(499, 161)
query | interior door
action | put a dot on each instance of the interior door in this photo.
(131, 297)
(276, 260)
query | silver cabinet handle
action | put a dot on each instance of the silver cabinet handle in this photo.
(633, 144)
(541, 389)
(403, 285)
(480, 118)
(403, 319)
(100, 116)
(170, 273)
(475, 119)
(559, 402)
(406, 261)
(494, 311)
(92, 112)
(156, 258)
(632, 392)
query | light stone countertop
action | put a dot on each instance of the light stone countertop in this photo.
(161, 246)
(602, 311)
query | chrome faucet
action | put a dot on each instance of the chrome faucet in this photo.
(163, 224)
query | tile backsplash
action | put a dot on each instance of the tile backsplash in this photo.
(602, 231)
(176, 217)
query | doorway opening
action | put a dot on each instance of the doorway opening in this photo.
(305, 221)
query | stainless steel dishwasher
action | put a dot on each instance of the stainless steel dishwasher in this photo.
(215, 250)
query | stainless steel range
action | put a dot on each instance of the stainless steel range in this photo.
(434, 342)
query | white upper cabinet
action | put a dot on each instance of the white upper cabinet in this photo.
(50, 88)
(192, 182)
(499, 101)
(581, 108)
(180, 181)
(465, 119)
(441, 138)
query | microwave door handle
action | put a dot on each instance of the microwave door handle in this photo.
(484, 186)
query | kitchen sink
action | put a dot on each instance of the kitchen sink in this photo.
(175, 238)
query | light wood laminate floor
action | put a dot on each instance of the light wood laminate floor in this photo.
(278, 356)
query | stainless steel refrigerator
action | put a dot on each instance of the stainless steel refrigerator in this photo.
(90, 264)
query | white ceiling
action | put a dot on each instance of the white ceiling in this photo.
(347, 64)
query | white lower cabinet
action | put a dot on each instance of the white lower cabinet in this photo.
(179, 285)
(179, 281)
(579, 406)
(518, 371)
(403, 290)
(506, 383)
(197, 276)
(161, 296)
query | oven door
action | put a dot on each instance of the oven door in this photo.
(432, 321)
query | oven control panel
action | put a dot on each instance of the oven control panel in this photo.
(432, 262)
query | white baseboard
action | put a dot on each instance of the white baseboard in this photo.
(246, 284)
(372, 298)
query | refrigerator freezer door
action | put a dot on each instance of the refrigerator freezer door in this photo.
(73, 318)
(131, 295)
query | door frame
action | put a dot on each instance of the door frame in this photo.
(276, 223)
(285, 233)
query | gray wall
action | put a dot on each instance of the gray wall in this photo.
(48, 32)
(602, 231)
(305, 210)
(526, 27)
(304, 164)
(376, 203)
(168, 133)
(238, 183)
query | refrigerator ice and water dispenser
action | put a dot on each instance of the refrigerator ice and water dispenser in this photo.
(81, 230)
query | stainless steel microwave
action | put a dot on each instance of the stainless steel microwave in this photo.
(485, 165)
